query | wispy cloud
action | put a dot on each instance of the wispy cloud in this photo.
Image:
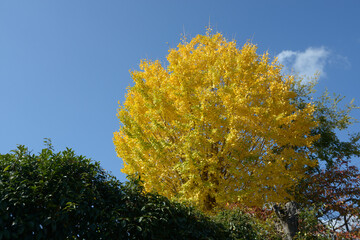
(307, 63)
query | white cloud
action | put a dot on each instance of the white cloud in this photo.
(307, 63)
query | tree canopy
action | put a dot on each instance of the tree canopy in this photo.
(214, 125)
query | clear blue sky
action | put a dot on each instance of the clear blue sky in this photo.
(64, 65)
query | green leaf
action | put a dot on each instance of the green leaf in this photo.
(7, 168)
(123, 223)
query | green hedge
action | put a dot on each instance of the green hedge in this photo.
(65, 196)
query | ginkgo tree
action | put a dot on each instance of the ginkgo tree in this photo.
(214, 125)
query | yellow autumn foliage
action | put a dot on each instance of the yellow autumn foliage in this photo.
(217, 125)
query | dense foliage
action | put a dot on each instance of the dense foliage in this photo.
(239, 224)
(218, 125)
(65, 196)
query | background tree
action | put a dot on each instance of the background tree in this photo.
(334, 184)
(217, 125)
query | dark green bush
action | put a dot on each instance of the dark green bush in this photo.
(238, 224)
(65, 196)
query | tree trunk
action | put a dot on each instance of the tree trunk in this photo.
(288, 216)
(210, 203)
